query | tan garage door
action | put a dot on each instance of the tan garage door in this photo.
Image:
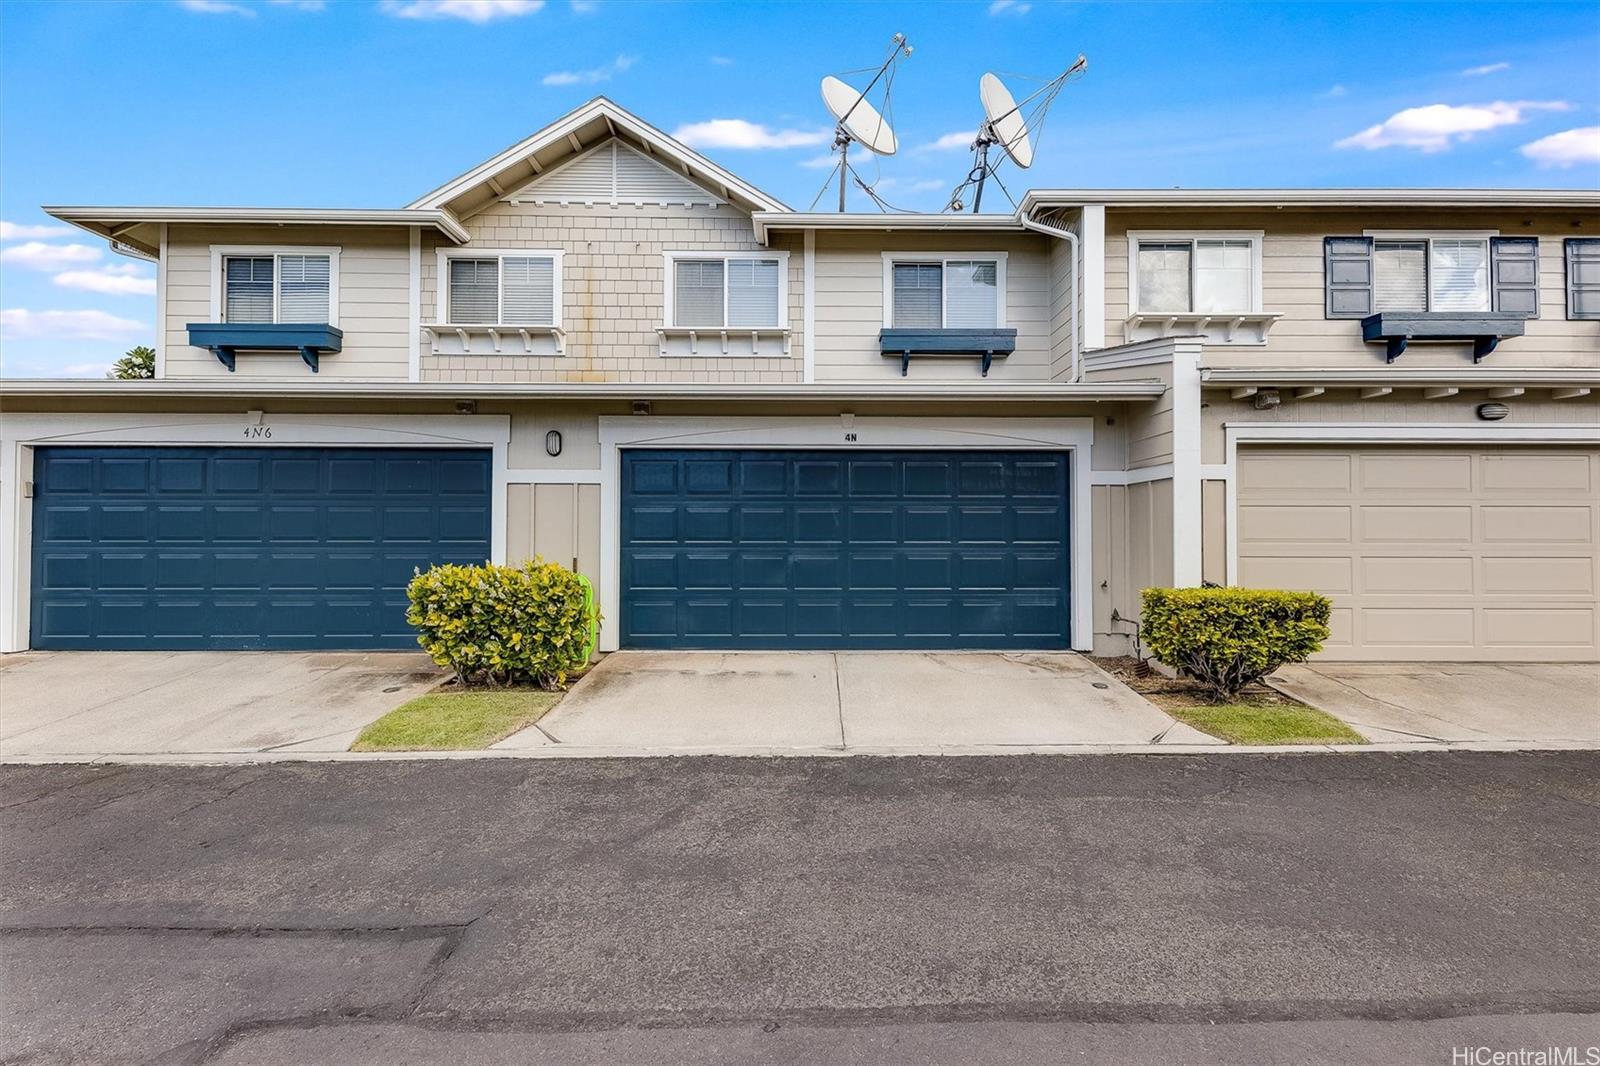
(1431, 553)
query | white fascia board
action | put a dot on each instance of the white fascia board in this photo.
(620, 120)
(782, 221)
(135, 391)
(93, 218)
(1558, 198)
(1466, 377)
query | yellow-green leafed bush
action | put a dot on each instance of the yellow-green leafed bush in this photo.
(502, 624)
(1225, 638)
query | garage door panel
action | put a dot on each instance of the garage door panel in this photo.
(1387, 522)
(240, 548)
(845, 549)
(1455, 552)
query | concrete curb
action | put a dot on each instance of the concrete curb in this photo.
(248, 758)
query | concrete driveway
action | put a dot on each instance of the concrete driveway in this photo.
(895, 701)
(1460, 702)
(124, 703)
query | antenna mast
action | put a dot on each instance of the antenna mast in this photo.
(871, 128)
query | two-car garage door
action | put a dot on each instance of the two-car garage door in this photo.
(263, 547)
(1448, 553)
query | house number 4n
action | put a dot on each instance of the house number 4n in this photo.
(849, 438)
(257, 432)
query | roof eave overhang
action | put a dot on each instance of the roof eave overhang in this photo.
(1396, 377)
(1047, 199)
(120, 224)
(792, 221)
(618, 121)
(246, 391)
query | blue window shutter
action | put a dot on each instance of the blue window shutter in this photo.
(1348, 273)
(1514, 274)
(1583, 277)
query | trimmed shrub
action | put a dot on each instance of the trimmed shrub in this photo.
(504, 624)
(1226, 638)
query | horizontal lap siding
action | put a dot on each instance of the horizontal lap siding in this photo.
(374, 279)
(1292, 285)
(613, 294)
(850, 301)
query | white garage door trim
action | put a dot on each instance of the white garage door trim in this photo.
(1074, 435)
(20, 433)
(1372, 433)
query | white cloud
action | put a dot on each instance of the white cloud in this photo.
(1487, 68)
(720, 61)
(18, 323)
(1436, 127)
(1566, 149)
(950, 142)
(84, 370)
(584, 7)
(589, 77)
(1334, 92)
(16, 231)
(117, 279)
(818, 162)
(476, 11)
(1009, 7)
(926, 185)
(737, 133)
(36, 255)
(216, 7)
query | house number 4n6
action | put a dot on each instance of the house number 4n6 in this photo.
(257, 432)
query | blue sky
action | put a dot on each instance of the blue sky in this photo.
(351, 103)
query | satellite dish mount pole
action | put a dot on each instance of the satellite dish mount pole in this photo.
(985, 139)
(841, 135)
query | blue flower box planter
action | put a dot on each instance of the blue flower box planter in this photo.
(985, 343)
(226, 339)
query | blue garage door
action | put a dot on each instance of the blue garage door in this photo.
(770, 549)
(177, 548)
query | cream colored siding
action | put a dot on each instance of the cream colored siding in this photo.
(1132, 552)
(558, 523)
(1063, 280)
(1146, 428)
(1292, 285)
(613, 291)
(850, 302)
(374, 275)
(1431, 553)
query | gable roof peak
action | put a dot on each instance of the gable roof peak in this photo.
(574, 133)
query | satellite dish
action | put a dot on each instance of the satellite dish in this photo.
(857, 117)
(1010, 125)
(856, 120)
(1005, 120)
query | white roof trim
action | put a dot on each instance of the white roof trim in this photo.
(620, 120)
(926, 222)
(88, 217)
(968, 392)
(1465, 376)
(1049, 198)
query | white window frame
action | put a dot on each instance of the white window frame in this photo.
(220, 253)
(943, 258)
(669, 285)
(1487, 236)
(1255, 237)
(442, 284)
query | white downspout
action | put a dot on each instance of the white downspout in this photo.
(1072, 239)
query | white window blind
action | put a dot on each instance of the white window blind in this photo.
(529, 296)
(917, 288)
(697, 292)
(247, 288)
(753, 292)
(474, 291)
(303, 288)
(969, 293)
(1458, 275)
(1400, 275)
(1222, 275)
(1164, 276)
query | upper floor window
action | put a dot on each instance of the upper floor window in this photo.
(717, 292)
(1583, 277)
(1459, 273)
(1431, 274)
(944, 290)
(1195, 274)
(264, 286)
(516, 288)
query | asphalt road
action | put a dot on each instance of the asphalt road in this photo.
(1113, 909)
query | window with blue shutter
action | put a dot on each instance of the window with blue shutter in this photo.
(1583, 277)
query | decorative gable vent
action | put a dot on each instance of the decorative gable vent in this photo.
(612, 173)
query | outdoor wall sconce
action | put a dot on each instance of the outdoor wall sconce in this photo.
(552, 443)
